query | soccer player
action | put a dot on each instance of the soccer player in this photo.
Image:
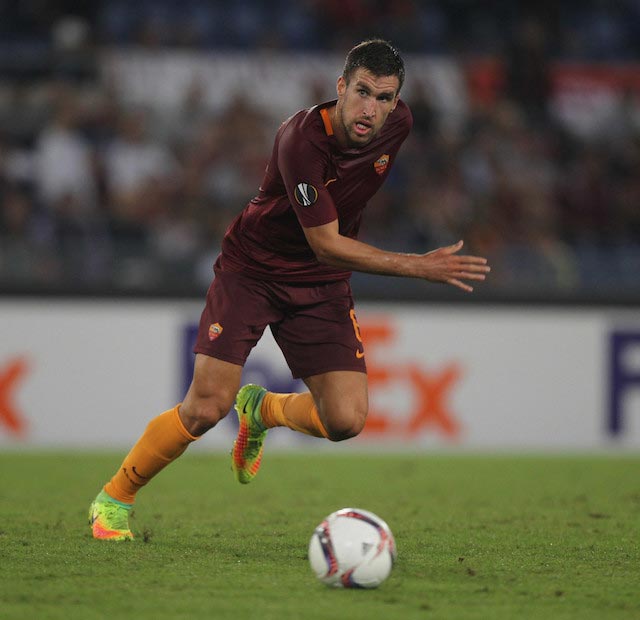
(285, 262)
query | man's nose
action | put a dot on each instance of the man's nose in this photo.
(369, 108)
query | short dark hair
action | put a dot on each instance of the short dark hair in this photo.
(377, 56)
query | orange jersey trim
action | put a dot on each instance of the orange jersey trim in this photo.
(328, 127)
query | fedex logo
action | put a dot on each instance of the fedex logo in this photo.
(624, 376)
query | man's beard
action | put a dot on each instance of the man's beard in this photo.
(354, 144)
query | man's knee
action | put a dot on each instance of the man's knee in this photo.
(345, 424)
(201, 413)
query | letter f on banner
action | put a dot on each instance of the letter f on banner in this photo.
(624, 373)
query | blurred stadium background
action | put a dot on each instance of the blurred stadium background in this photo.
(132, 133)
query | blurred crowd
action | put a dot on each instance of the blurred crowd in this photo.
(99, 195)
(584, 29)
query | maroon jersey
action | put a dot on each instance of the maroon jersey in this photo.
(309, 181)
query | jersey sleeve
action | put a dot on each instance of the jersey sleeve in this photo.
(303, 166)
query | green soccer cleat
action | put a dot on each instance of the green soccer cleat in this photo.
(248, 446)
(109, 518)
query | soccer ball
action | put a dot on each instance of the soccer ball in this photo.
(352, 548)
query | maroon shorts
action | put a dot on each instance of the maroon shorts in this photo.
(315, 326)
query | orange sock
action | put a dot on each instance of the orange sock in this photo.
(162, 442)
(296, 411)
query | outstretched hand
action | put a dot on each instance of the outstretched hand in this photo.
(446, 266)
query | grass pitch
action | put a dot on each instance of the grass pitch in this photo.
(478, 537)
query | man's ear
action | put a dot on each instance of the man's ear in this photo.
(341, 86)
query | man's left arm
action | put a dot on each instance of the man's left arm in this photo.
(443, 265)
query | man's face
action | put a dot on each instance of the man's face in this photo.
(363, 106)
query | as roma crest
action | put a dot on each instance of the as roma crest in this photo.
(215, 329)
(381, 164)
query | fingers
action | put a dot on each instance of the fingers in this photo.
(474, 272)
(465, 275)
(479, 260)
(470, 271)
(461, 285)
(451, 268)
(480, 267)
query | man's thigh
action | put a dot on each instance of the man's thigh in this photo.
(236, 312)
(319, 333)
